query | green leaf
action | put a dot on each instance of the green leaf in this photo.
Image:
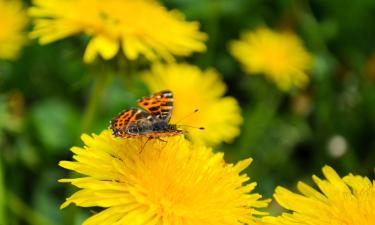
(55, 124)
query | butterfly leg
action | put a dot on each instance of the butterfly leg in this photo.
(158, 138)
(144, 145)
(164, 141)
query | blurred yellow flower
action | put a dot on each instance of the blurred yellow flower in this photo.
(341, 201)
(142, 27)
(13, 21)
(281, 57)
(171, 182)
(202, 90)
(369, 68)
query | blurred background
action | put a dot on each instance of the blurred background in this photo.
(290, 135)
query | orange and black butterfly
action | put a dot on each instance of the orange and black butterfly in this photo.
(152, 123)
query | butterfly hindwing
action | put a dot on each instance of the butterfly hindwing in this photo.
(130, 119)
(159, 104)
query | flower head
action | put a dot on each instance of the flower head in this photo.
(157, 182)
(281, 57)
(340, 201)
(202, 90)
(142, 27)
(13, 21)
(369, 68)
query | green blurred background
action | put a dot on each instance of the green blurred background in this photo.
(290, 136)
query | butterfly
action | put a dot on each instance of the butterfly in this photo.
(151, 123)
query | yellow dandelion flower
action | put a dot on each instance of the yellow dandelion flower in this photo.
(369, 68)
(142, 27)
(340, 201)
(203, 90)
(281, 57)
(170, 182)
(13, 20)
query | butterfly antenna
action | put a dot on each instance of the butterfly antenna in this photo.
(183, 118)
(200, 128)
(187, 116)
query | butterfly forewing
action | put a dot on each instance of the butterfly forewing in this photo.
(159, 105)
(122, 119)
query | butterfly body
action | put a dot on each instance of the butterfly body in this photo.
(152, 123)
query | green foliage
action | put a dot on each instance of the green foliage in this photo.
(45, 97)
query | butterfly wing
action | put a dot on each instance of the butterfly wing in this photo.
(130, 122)
(159, 105)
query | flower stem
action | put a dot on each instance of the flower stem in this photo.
(97, 91)
(258, 119)
(22, 210)
(3, 219)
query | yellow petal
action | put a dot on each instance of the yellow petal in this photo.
(104, 46)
